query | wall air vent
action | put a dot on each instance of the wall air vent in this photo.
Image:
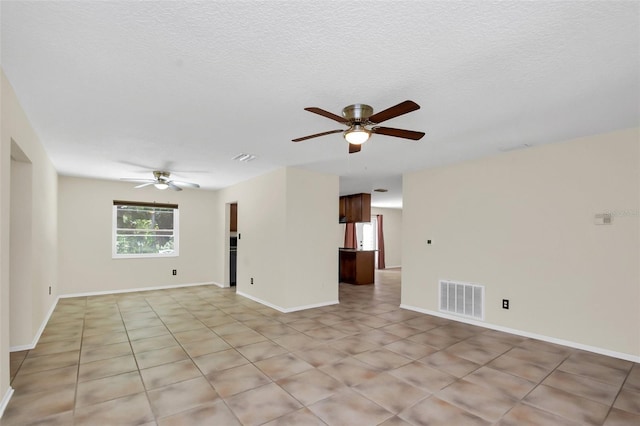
(462, 299)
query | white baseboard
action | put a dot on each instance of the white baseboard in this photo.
(33, 343)
(286, 310)
(568, 343)
(133, 290)
(5, 400)
(392, 266)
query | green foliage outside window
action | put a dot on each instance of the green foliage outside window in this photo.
(144, 230)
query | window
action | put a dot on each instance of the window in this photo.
(144, 229)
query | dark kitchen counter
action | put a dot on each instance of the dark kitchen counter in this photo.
(357, 266)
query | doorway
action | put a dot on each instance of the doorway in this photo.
(21, 295)
(233, 243)
(367, 236)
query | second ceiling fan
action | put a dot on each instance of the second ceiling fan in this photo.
(161, 180)
(362, 123)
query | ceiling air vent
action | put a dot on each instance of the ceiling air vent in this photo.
(515, 147)
(245, 158)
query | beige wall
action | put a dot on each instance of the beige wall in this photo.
(85, 243)
(392, 228)
(42, 257)
(522, 224)
(312, 238)
(21, 250)
(261, 225)
(288, 238)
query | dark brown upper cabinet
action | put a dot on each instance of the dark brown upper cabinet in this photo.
(355, 208)
(233, 219)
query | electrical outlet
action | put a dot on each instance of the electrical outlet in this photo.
(251, 280)
(175, 272)
(505, 303)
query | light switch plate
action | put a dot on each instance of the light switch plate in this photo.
(602, 219)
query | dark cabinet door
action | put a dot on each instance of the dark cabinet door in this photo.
(353, 209)
(233, 220)
(365, 208)
(357, 267)
(357, 208)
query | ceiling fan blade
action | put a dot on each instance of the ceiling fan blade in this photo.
(189, 184)
(142, 185)
(394, 111)
(304, 138)
(172, 186)
(327, 114)
(398, 133)
(353, 148)
(137, 180)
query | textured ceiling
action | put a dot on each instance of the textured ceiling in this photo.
(117, 89)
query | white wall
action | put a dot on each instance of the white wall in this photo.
(392, 228)
(522, 224)
(43, 262)
(85, 243)
(276, 213)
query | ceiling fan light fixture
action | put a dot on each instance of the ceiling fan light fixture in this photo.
(358, 116)
(161, 180)
(161, 185)
(357, 134)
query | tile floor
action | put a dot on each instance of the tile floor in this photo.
(202, 355)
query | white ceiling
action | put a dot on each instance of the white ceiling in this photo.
(117, 89)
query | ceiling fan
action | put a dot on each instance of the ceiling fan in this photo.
(161, 180)
(362, 123)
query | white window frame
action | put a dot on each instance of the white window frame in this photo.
(114, 233)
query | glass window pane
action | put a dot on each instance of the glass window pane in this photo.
(144, 230)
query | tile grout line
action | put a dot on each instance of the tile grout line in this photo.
(203, 375)
(611, 407)
(190, 304)
(191, 358)
(135, 359)
(75, 394)
(522, 400)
